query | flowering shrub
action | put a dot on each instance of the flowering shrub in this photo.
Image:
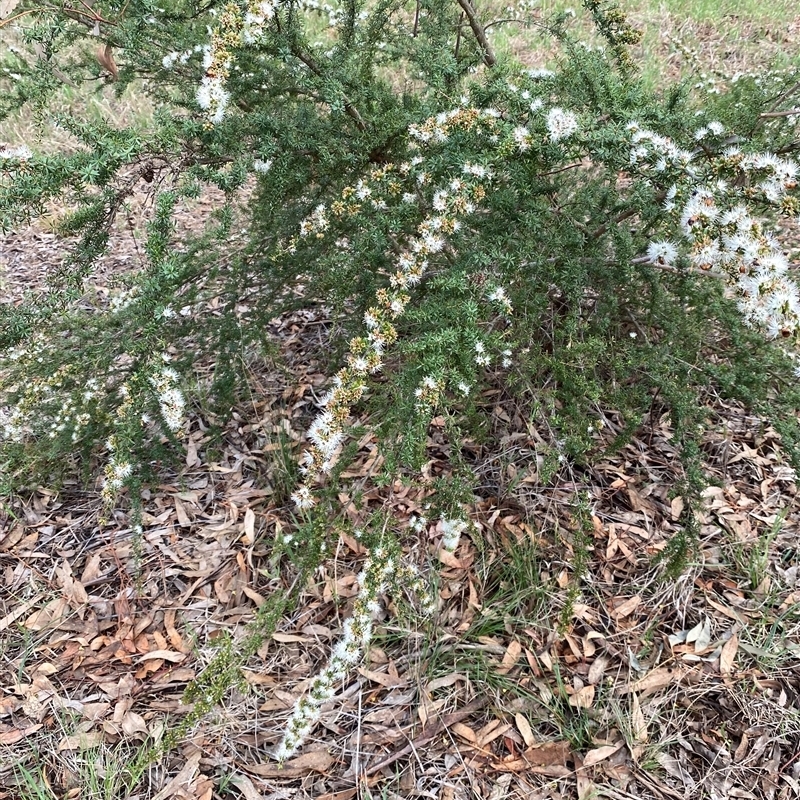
(568, 234)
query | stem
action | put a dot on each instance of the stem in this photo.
(771, 114)
(489, 57)
(351, 110)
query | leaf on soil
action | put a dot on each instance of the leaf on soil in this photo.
(583, 698)
(164, 655)
(655, 679)
(638, 722)
(728, 656)
(246, 787)
(183, 778)
(524, 727)
(6, 7)
(597, 670)
(627, 608)
(510, 657)
(81, 741)
(315, 761)
(600, 754)
(17, 734)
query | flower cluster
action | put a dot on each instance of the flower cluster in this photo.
(451, 532)
(378, 572)
(561, 124)
(719, 234)
(456, 198)
(256, 17)
(212, 94)
(170, 398)
(234, 29)
(20, 153)
(116, 472)
(651, 152)
(49, 406)
(427, 394)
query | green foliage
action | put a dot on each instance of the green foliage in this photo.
(570, 238)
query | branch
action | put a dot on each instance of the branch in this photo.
(770, 114)
(489, 57)
(351, 110)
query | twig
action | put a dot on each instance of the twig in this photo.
(351, 110)
(771, 114)
(489, 57)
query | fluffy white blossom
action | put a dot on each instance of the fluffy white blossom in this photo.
(356, 635)
(262, 166)
(451, 532)
(663, 253)
(20, 153)
(561, 124)
(213, 97)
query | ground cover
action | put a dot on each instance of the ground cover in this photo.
(562, 661)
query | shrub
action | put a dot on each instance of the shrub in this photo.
(572, 235)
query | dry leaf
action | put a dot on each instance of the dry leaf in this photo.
(133, 723)
(600, 754)
(192, 459)
(494, 730)
(315, 761)
(20, 611)
(447, 680)
(510, 657)
(524, 727)
(166, 655)
(51, 614)
(627, 608)
(547, 754)
(465, 732)
(16, 734)
(81, 741)
(182, 779)
(249, 526)
(597, 670)
(728, 656)
(655, 679)
(246, 787)
(500, 788)
(180, 511)
(381, 678)
(583, 698)
(585, 786)
(105, 55)
(638, 722)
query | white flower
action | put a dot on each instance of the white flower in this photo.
(262, 166)
(303, 498)
(664, 253)
(522, 136)
(561, 124)
(213, 98)
(21, 153)
(451, 533)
